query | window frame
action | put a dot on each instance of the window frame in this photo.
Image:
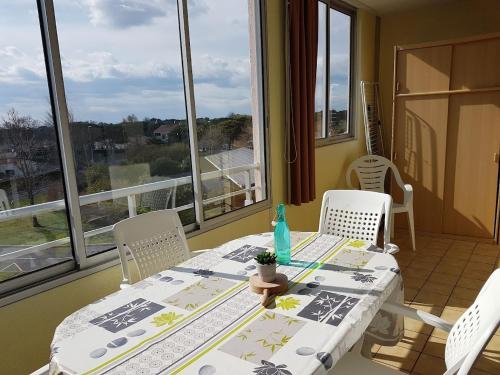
(31, 283)
(352, 131)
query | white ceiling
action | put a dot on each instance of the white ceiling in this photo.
(390, 6)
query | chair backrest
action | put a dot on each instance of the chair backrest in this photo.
(355, 214)
(371, 171)
(472, 331)
(155, 239)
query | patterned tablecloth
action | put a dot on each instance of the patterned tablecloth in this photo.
(201, 318)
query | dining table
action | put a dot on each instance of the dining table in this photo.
(201, 316)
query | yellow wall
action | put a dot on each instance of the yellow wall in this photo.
(27, 326)
(449, 20)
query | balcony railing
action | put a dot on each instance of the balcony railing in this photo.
(131, 194)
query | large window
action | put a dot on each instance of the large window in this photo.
(147, 106)
(334, 82)
(33, 217)
(227, 104)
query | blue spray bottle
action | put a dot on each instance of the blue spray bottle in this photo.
(281, 236)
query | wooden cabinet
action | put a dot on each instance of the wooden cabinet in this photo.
(446, 134)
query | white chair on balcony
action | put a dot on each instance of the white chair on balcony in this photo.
(466, 339)
(357, 214)
(156, 241)
(371, 171)
(4, 201)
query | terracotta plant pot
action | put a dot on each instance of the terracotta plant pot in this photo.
(267, 272)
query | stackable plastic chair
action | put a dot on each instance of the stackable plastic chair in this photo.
(156, 241)
(357, 214)
(371, 171)
(466, 339)
(4, 203)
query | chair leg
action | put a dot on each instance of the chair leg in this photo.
(392, 226)
(412, 226)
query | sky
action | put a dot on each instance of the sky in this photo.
(122, 57)
(339, 59)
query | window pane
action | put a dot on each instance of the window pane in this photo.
(124, 87)
(319, 101)
(226, 85)
(340, 47)
(33, 221)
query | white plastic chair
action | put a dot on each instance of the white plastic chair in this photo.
(4, 202)
(357, 214)
(156, 241)
(371, 171)
(466, 339)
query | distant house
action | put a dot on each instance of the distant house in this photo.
(161, 133)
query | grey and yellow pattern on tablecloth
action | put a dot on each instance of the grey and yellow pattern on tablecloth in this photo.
(201, 317)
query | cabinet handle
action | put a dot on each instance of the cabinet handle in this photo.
(495, 157)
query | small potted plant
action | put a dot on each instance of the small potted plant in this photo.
(266, 266)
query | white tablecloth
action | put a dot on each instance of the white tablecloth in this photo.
(201, 318)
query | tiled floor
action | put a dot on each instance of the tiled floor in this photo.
(442, 277)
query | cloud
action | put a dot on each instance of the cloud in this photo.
(221, 72)
(17, 67)
(123, 14)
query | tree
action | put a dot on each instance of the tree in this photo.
(22, 140)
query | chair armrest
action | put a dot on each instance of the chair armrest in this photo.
(407, 193)
(198, 252)
(391, 248)
(415, 314)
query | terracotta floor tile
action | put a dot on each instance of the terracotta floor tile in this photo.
(435, 346)
(396, 356)
(465, 294)
(487, 250)
(429, 258)
(437, 277)
(493, 348)
(488, 363)
(483, 259)
(418, 326)
(404, 261)
(443, 289)
(452, 261)
(466, 282)
(418, 271)
(475, 371)
(448, 269)
(464, 244)
(477, 266)
(434, 250)
(451, 316)
(429, 365)
(459, 254)
(458, 303)
(413, 340)
(431, 298)
(476, 274)
(412, 282)
(410, 294)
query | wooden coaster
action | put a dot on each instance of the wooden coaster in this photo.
(278, 286)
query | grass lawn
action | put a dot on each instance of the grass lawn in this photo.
(21, 231)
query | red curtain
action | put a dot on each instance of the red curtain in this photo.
(303, 50)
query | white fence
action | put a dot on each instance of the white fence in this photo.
(130, 193)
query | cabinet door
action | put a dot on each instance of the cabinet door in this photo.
(420, 147)
(476, 65)
(423, 70)
(471, 168)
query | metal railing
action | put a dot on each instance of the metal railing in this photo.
(130, 193)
